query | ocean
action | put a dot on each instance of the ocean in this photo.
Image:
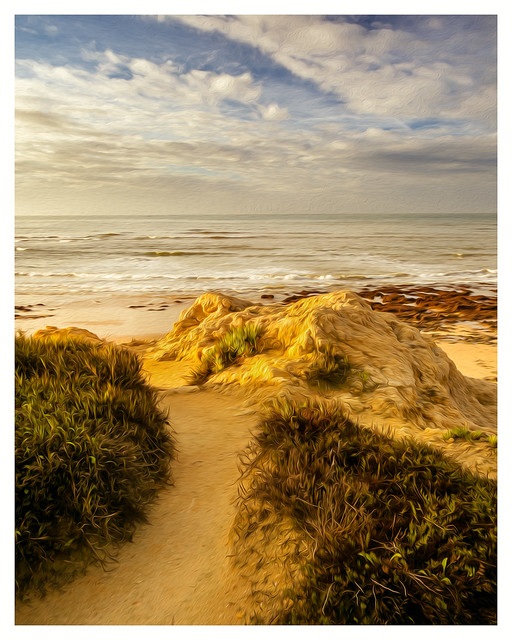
(65, 258)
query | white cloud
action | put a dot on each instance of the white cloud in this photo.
(386, 72)
(213, 88)
(132, 94)
(133, 126)
(51, 30)
(273, 112)
(79, 126)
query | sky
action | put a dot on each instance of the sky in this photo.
(139, 114)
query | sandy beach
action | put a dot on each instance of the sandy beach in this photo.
(471, 344)
(178, 570)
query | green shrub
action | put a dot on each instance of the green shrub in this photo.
(493, 441)
(233, 346)
(92, 450)
(390, 531)
(463, 434)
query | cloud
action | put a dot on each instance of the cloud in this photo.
(380, 120)
(273, 112)
(381, 71)
(51, 30)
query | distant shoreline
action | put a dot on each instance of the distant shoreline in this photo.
(435, 308)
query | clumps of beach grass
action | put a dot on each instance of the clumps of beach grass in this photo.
(384, 531)
(462, 433)
(92, 449)
(328, 370)
(470, 435)
(234, 346)
(493, 441)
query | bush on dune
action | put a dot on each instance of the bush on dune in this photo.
(92, 450)
(386, 531)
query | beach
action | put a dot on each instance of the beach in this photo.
(178, 569)
(256, 320)
(467, 327)
(416, 320)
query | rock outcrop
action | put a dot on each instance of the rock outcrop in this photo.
(384, 371)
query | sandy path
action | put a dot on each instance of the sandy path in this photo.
(177, 570)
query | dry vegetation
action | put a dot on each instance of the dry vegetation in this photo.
(340, 523)
(384, 371)
(377, 530)
(92, 450)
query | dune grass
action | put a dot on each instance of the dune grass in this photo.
(235, 345)
(92, 450)
(328, 370)
(463, 433)
(493, 441)
(386, 531)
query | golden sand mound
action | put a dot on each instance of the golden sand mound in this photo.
(384, 371)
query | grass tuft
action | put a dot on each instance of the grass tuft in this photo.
(463, 434)
(387, 531)
(237, 344)
(493, 441)
(91, 451)
(328, 370)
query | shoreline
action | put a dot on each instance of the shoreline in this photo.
(463, 323)
(455, 312)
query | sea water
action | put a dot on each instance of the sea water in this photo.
(61, 259)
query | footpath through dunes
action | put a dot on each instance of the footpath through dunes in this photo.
(177, 570)
(222, 363)
(383, 372)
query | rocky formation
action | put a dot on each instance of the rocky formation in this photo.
(429, 308)
(384, 371)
